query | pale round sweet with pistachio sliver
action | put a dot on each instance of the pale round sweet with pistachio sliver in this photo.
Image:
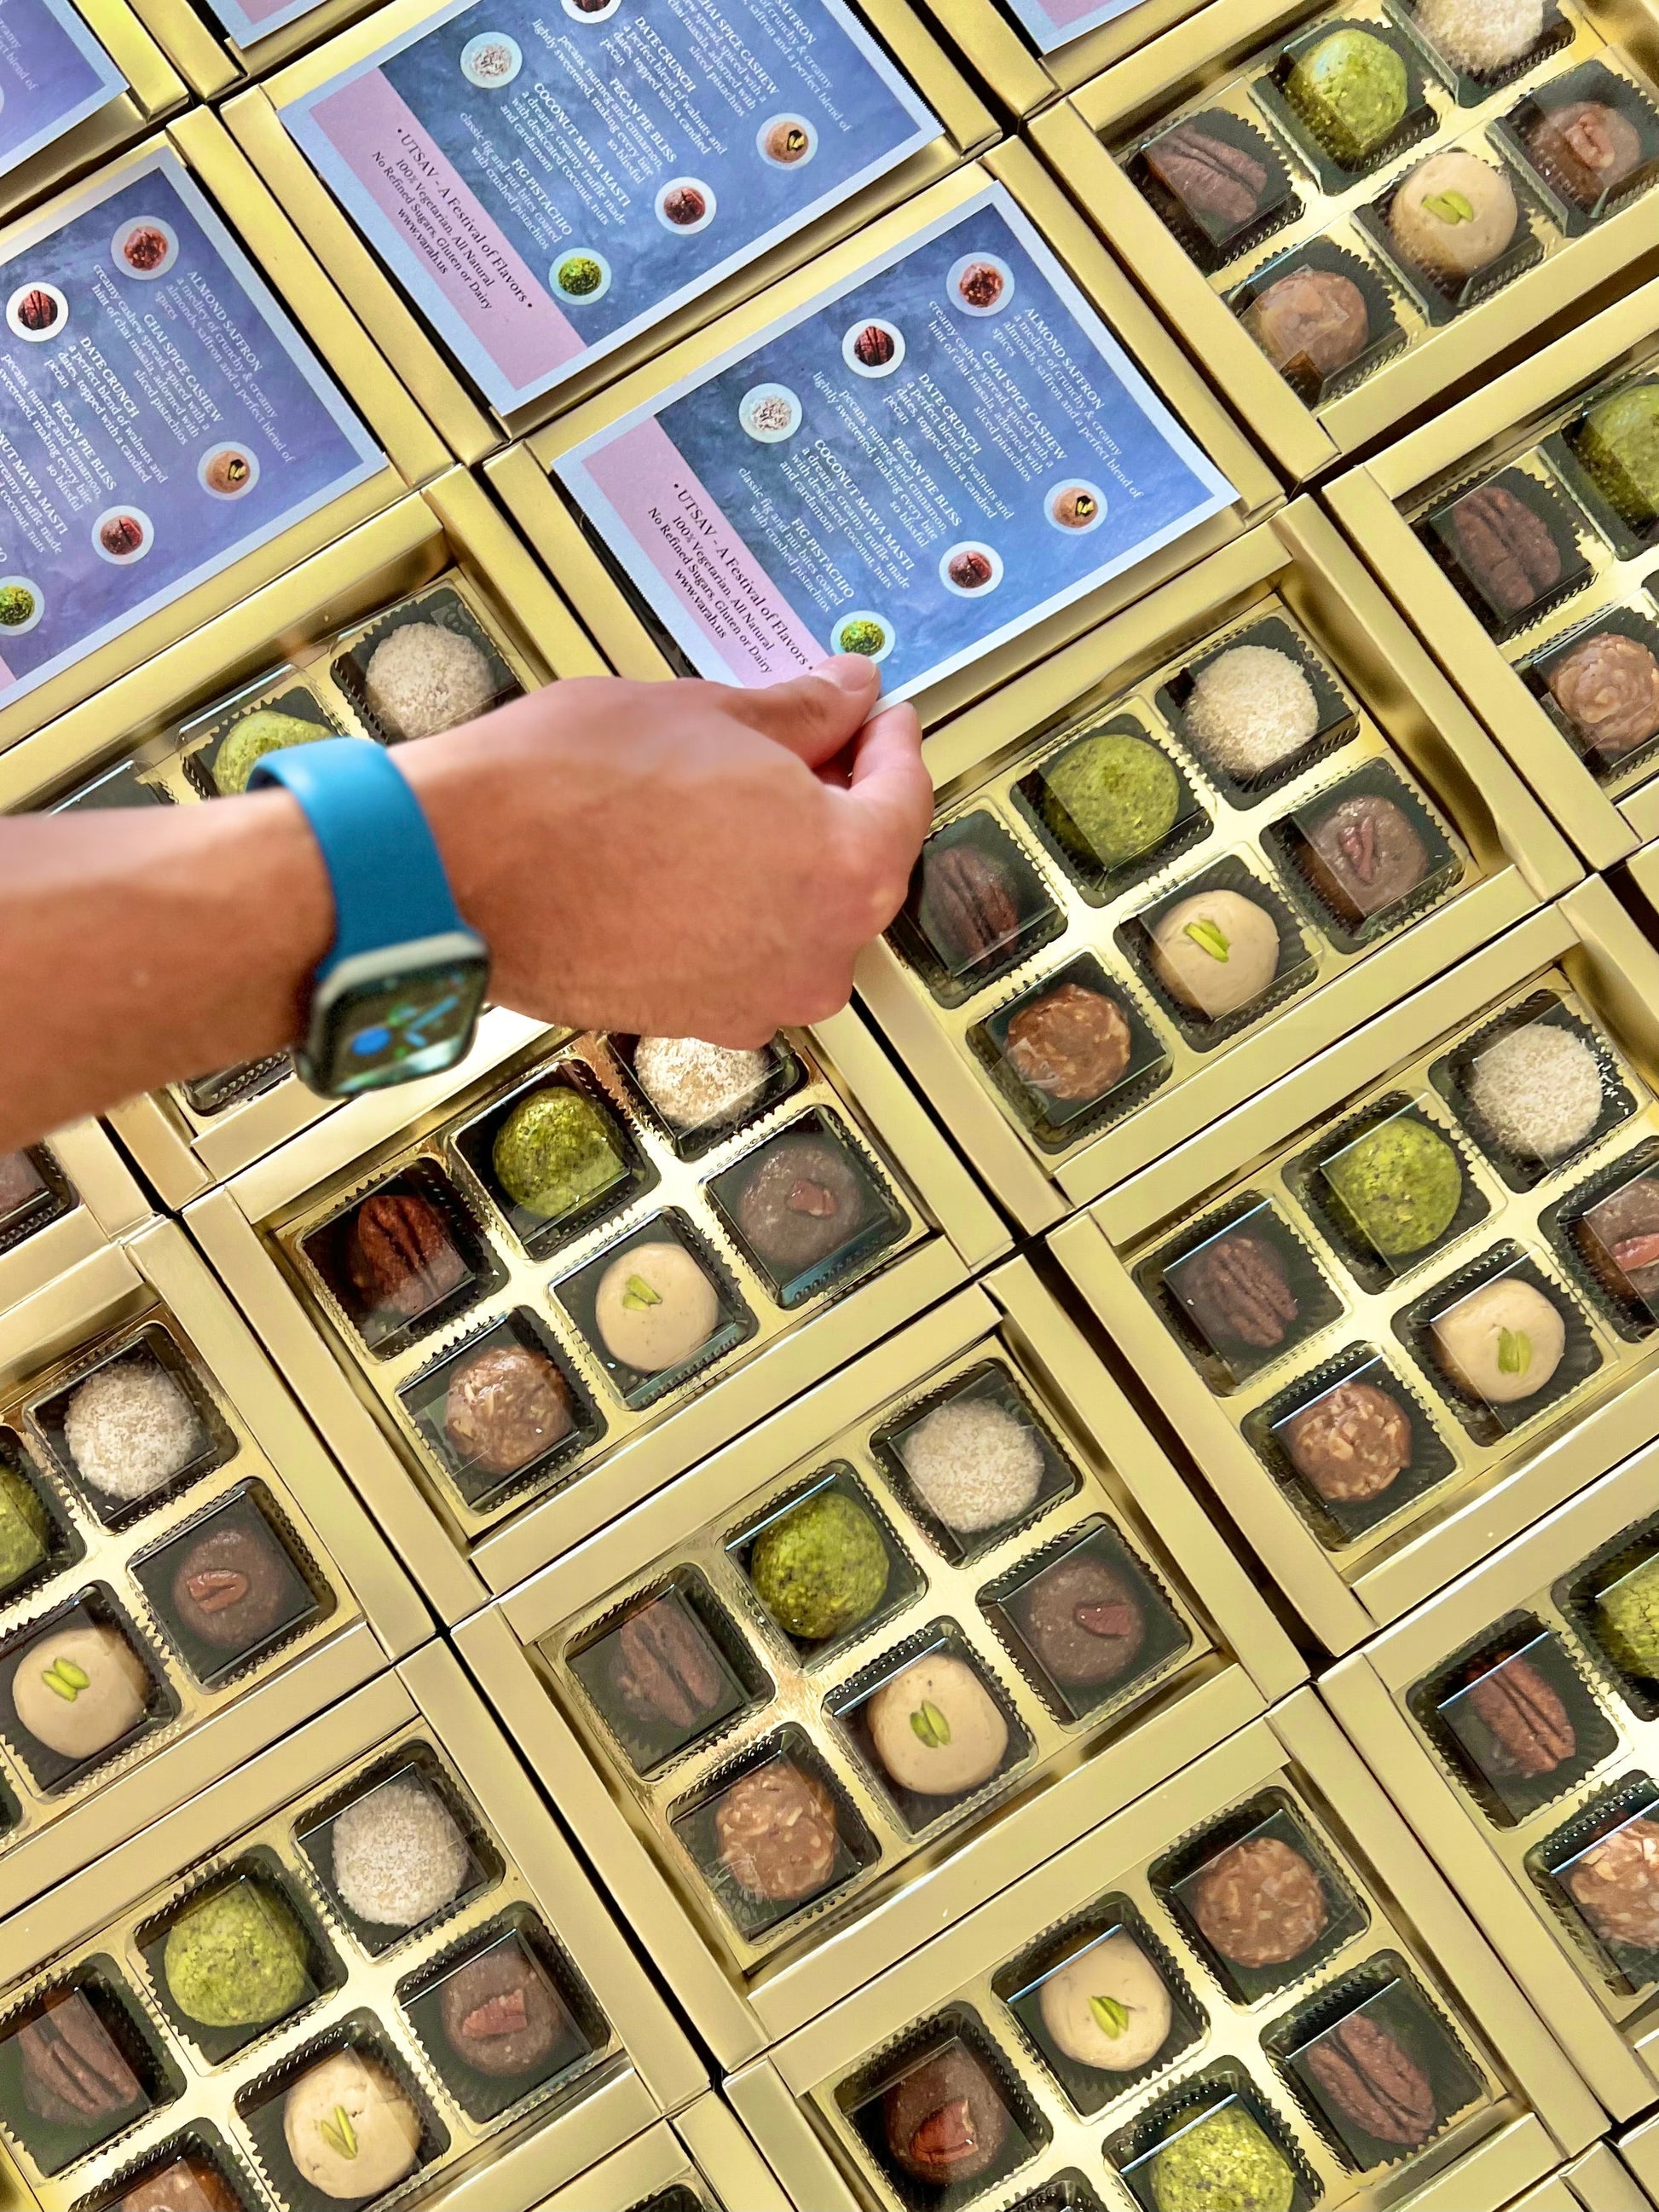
(1109, 2007)
(80, 1688)
(1503, 1342)
(973, 1464)
(654, 1307)
(1216, 951)
(937, 1728)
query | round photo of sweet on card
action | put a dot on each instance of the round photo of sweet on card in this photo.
(871, 635)
(491, 60)
(970, 570)
(35, 313)
(873, 349)
(122, 535)
(1075, 505)
(145, 248)
(590, 11)
(770, 413)
(22, 603)
(787, 142)
(980, 284)
(685, 203)
(581, 276)
(227, 471)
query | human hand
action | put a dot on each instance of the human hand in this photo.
(682, 860)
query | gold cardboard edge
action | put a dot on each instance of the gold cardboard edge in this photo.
(729, 2157)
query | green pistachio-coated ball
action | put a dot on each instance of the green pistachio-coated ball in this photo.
(237, 1959)
(579, 274)
(16, 605)
(1400, 1184)
(1627, 1616)
(866, 637)
(24, 1531)
(1351, 90)
(1113, 796)
(555, 1152)
(1619, 444)
(1224, 2163)
(821, 1568)
(264, 731)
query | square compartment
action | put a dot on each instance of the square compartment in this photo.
(1384, 336)
(203, 739)
(1144, 812)
(404, 1260)
(526, 1449)
(700, 1093)
(1095, 1985)
(726, 1827)
(1340, 1453)
(1221, 2103)
(1261, 1879)
(1622, 746)
(1213, 234)
(1336, 719)
(1341, 2033)
(197, 2169)
(1560, 1102)
(246, 1921)
(1223, 915)
(103, 2017)
(1240, 1292)
(1621, 505)
(208, 1095)
(1081, 1665)
(144, 1385)
(1575, 191)
(693, 1287)
(408, 1797)
(1612, 1598)
(1473, 89)
(38, 1538)
(124, 785)
(1390, 1187)
(948, 2061)
(952, 1733)
(1367, 854)
(1335, 165)
(503, 2016)
(830, 1569)
(440, 608)
(1608, 1230)
(1518, 1719)
(1477, 549)
(1071, 1052)
(1067, 2192)
(1490, 1317)
(133, 1696)
(562, 1123)
(671, 1671)
(232, 1585)
(33, 1191)
(982, 1414)
(365, 2066)
(807, 1207)
(976, 908)
(1443, 299)
(1598, 1870)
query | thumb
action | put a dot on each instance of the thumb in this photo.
(814, 716)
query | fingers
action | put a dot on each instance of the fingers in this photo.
(890, 801)
(814, 716)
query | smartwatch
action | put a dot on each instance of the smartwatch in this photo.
(399, 993)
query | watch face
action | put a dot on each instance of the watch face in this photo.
(390, 1031)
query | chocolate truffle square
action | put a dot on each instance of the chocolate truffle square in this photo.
(773, 1834)
(1326, 319)
(1113, 804)
(1535, 1087)
(1240, 1295)
(1590, 139)
(930, 1727)
(1520, 1721)
(76, 2069)
(1256, 706)
(1217, 184)
(1103, 2005)
(1067, 2192)
(398, 1848)
(1088, 1622)
(1613, 1232)
(823, 1564)
(808, 1208)
(976, 908)
(1512, 547)
(503, 2017)
(232, 1585)
(946, 2122)
(291, 2114)
(1353, 1445)
(208, 1095)
(1378, 2066)
(1071, 1052)
(1369, 852)
(1390, 1187)
(1600, 685)
(77, 1688)
(973, 1460)
(1603, 1868)
(1352, 96)
(1501, 1340)
(668, 1673)
(236, 1957)
(656, 1308)
(1215, 2139)
(504, 1410)
(1261, 1896)
(136, 1428)
(404, 1260)
(554, 1156)
(1612, 1600)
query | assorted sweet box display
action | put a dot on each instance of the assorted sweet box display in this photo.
(1249, 1988)
(1420, 1316)
(1230, 825)
(366, 1960)
(850, 1663)
(1348, 212)
(1514, 1717)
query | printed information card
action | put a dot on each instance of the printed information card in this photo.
(53, 74)
(160, 417)
(917, 465)
(546, 178)
(1054, 23)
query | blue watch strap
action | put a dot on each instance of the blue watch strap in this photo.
(382, 858)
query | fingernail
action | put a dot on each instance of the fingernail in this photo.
(848, 672)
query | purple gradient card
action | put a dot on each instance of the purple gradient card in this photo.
(53, 74)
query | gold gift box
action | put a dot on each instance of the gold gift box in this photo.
(88, 1198)
(265, 1232)
(1512, 424)
(1213, 1658)
(351, 1608)
(1002, 54)
(613, 613)
(155, 90)
(290, 643)
(1508, 1830)
(1500, 856)
(1604, 2180)
(622, 2062)
(469, 425)
(1487, 1480)
(1507, 2110)
(1638, 2153)
(1205, 63)
(703, 2160)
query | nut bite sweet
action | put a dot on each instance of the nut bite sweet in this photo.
(802, 1201)
(236, 1958)
(775, 1832)
(1608, 690)
(1109, 2007)
(1400, 1185)
(1628, 1620)
(399, 1856)
(1260, 1904)
(1504, 547)
(969, 910)
(1351, 1445)
(821, 1568)
(1238, 1292)
(130, 1429)
(400, 1259)
(1214, 180)
(25, 1528)
(1503, 1343)
(1530, 1734)
(557, 1152)
(1453, 215)
(1367, 2078)
(1620, 1237)
(350, 2130)
(80, 1688)
(1084, 1622)
(501, 2012)
(973, 1464)
(505, 1406)
(1615, 1884)
(74, 2075)
(1310, 322)
(654, 1307)
(1618, 441)
(266, 729)
(1251, 709)
(1216, 952)
(1111, 797)
(1538, 1089)
(1364, 855)
(233, 1586)
(1072, 1042)
(1351, 89)
(1224, 2159)
(1585, 148)
(936, 1728)
(944, 2120)
(665, 1670)
(423, 677)
(695, 1085)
